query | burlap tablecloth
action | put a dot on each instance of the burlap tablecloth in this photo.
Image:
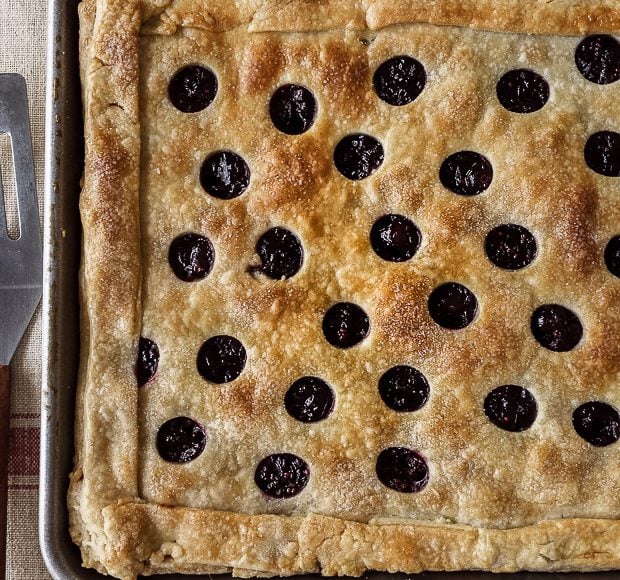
(22, 49)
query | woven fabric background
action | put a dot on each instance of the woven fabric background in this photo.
(22, 49)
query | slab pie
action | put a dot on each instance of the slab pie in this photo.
(350, 287)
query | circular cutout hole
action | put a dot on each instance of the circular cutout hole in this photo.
(180, 440)
(399, 80)
(404, 389)
(345, 324)
(598, 59)
(309, 399)
(221, 359)
(510, 247)
(522, 91)
(282, 475)
(402, 469)
(556, 327)
(192, 88)
(147, 362)
(598, 423)
(466, 173)
(452, 306)
(395, 238)
(602, 153)
(511, 408)
(358, 156)
(191, 257)
(224, 175)
(280, 252)
(292, 109)
(612, 256)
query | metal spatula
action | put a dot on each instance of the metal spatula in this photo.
(21, 263)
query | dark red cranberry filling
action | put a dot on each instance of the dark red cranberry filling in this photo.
(357, 156)
(191, 257)
(345, 325)
(192, 89)
(511, 407)
(282, 475)
(224, 175)
(292, 109)
(612, 256)
(510, 246)
(602, 153)
(281, 254)
(598, 59)
(148, 359)
(556, 327)
(221, 359)
(399, 80)
(452, 306)
(180, 440)
(402, 469)
(404, 389)
(466, 173)
(522, 91)
(395, 238)
(598, 423)
(309, 399)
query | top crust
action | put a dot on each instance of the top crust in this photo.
(561, 17)
(129, 512)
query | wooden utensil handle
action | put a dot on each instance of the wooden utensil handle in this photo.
(5, 415)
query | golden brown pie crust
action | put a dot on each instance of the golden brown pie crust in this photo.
(539, 500)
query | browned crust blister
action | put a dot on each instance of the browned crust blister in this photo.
(124, 535)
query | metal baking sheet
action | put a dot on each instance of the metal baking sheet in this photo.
(64, 152)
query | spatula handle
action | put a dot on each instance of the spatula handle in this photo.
(5, 415)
